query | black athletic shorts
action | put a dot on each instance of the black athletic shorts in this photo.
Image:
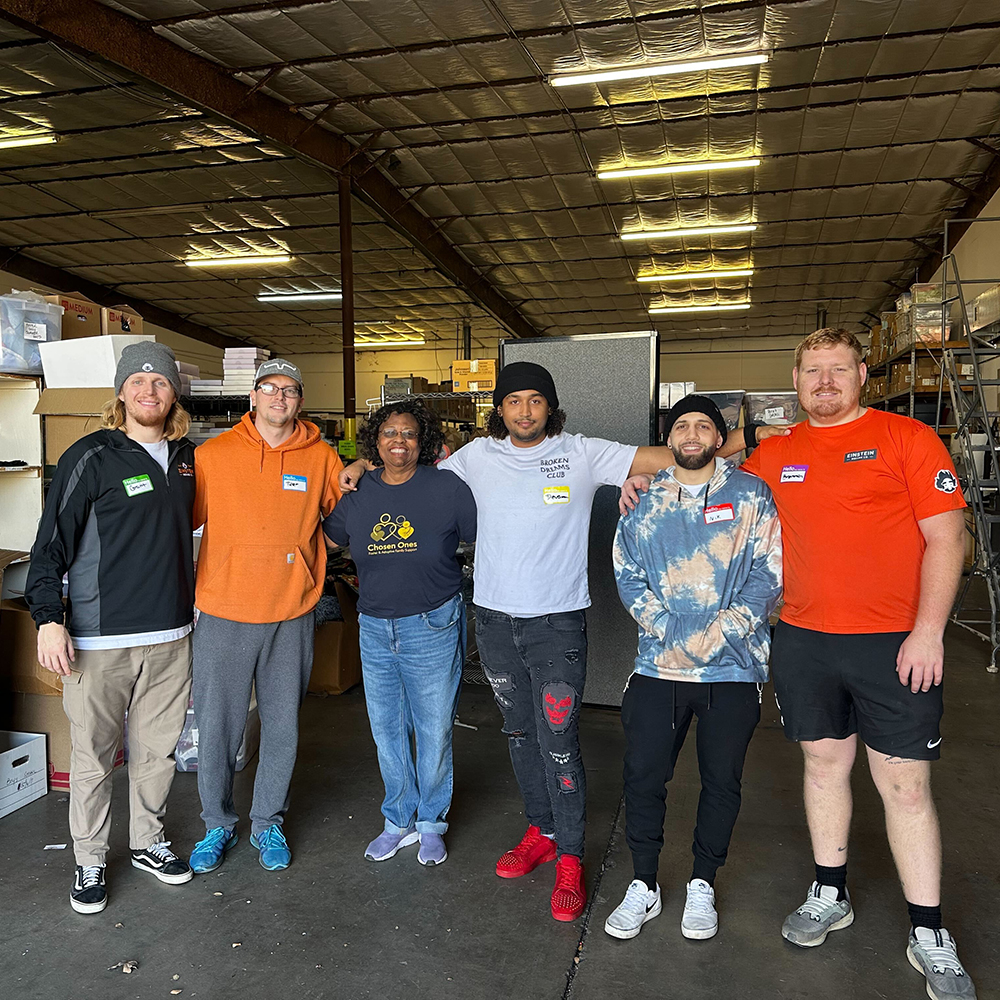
(829, 686)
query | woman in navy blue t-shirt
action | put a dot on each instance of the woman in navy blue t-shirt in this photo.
(403, 525)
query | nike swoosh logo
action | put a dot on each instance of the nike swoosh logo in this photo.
(932, 744)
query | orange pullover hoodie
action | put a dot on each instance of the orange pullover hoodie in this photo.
(263, 558)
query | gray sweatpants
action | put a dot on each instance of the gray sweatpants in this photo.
(229, 657)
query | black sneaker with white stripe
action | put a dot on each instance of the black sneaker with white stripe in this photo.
(160, 861)
(89, 894)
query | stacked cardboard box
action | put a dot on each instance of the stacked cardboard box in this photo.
(206, 387)
(474, 376)
(239, 366)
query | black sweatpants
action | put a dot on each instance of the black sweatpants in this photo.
(656, 715)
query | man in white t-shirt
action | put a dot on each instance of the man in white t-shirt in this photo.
(534, 487)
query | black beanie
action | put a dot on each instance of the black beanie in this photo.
(520, 375)
(695, 404)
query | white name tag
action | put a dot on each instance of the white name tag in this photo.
(720, 512)
(34, 331)
(794, 473)
(297, 483)
(774, 413)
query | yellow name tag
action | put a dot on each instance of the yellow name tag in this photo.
(555, 494)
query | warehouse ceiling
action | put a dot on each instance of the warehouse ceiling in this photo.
(476, 183)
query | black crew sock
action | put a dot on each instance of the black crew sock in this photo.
(650, 880)
(835, 877)
(705, 874)
(924, 916)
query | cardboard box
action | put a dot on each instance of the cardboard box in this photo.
(121, 320)
(86, 363)
(474, 376)
(336, 649)
(23, 770)
(19, 667)
(81, 316)
(70, 414)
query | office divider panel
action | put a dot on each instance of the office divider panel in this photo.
(606, 384)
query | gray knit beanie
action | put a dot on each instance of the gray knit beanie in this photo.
(148, 356)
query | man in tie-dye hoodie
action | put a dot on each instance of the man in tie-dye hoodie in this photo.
(698, 565)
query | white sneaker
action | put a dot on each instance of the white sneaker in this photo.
(639, 905)
(700, 921)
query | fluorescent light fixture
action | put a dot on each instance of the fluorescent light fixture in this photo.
(660, 69)
(300, 296)
(678, 168)
(274, 258)
(390, 343)
(29, 140)
(719, 307)
(681, 231)
(737, 272)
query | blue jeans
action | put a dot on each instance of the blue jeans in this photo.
(537, 668)
(412, 669)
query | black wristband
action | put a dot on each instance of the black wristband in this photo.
(752, 442)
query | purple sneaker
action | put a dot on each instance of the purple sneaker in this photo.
(432, 850)
(385, 845)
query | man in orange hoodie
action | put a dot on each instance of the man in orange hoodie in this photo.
(262, 491)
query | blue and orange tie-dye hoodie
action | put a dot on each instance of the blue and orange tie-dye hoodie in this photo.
(701, 574)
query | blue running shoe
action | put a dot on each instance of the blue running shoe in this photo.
(209, 853)
(274, 851)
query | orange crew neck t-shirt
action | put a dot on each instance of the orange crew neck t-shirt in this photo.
(849, 498)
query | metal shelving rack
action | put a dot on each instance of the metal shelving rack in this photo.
(972, 372)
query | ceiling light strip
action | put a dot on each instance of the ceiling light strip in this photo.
(300, 296)
(718, 307)
(738, 272)
(29, 140)
(678, 168)
(684, 231)
(660, 69)
(389, 343)
(280, 258)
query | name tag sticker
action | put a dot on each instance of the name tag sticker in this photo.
(555, 494)
(137, 485)
(297, 483)
(794, 473)
(720, 512)
(865, 455)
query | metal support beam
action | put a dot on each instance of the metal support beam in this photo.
(55, 277)
(467, 339)
(98, 30)
(347, 302)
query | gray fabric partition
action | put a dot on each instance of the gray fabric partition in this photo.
(606, 384)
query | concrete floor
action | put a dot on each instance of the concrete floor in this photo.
(334, 925)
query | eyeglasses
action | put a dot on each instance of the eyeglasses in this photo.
(390, 434)
(270, 389)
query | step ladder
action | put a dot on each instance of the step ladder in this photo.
(972, 374)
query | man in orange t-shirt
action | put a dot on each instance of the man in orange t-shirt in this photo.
(262, 490)
(873, 530)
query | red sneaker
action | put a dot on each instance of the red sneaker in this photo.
(534, 850)
(569, 896)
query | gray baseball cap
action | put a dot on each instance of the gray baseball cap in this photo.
(278, 366)
(147, 356)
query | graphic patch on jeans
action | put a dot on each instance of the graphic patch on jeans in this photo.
(560, 758)
(567, 783)
(558, 699)
(502, 685)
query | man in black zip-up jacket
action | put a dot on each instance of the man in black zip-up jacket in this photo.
(117, 523)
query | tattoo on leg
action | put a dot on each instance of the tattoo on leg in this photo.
(901, 760)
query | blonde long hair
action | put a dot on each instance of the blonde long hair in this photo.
(177, 424)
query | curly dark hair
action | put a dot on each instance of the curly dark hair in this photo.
(430, 437)
(496, 428)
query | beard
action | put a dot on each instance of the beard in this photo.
(832, 407)
(534, 434)
(143, 417)
(695, 462)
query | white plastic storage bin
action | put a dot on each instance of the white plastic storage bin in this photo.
(23, 770)
(26, 322)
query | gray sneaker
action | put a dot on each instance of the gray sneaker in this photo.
(809, 925)
(639, 905)
(933, 954)
(700, 921)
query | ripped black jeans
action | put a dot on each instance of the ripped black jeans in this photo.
(537, 667)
